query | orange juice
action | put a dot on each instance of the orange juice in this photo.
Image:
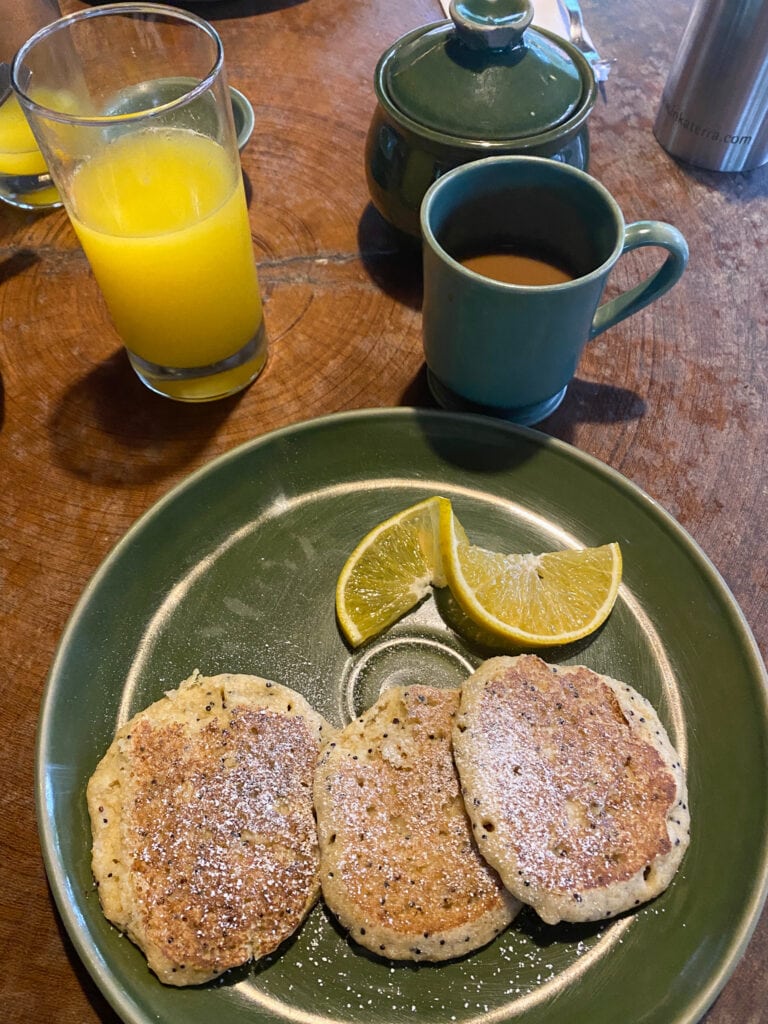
(19, 154)
(162, 217)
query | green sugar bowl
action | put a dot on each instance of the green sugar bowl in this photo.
(484, 83)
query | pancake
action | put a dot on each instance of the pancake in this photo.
(399, 867)
(576, 795)
(205, 849)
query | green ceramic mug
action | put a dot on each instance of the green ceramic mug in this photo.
(510, 349)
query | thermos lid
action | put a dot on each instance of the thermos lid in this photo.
(484, 75)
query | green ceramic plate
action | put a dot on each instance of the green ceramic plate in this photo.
(234, 571)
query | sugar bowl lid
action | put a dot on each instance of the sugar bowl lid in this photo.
(483, 75)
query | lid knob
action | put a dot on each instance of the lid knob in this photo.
(491, 24)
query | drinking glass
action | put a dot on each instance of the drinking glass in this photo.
(24, 178)
(131, 108)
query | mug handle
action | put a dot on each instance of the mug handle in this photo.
(637, 235)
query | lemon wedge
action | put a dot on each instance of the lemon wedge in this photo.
(530, 600)
(390, 570)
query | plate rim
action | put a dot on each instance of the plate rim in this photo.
(57, 877)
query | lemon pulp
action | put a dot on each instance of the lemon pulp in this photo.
(390, 571)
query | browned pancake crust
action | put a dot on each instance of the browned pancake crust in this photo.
(575, 793)
(400, 868)
(217, 844)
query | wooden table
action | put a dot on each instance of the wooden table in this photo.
(676, 398)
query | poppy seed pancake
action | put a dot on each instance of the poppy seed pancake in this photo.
(399, 866)
(576, 794)
(204, 842)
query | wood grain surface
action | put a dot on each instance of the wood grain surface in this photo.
(676, 398)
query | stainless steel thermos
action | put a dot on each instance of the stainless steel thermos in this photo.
(714, 108)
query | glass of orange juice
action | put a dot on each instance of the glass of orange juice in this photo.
(131, 108)
(24, 178)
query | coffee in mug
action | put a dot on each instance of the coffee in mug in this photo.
(503, 335)
(512, 265)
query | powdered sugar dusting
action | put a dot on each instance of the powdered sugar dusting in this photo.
(400, 867)
(220, 821)
(322, 977)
